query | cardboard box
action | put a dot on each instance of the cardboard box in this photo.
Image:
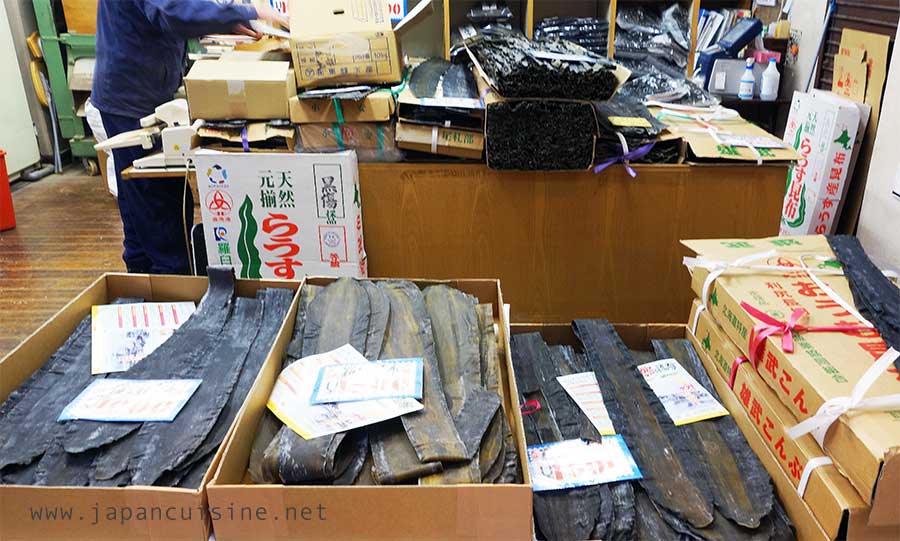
(376, 107)
(81, 16)
(238, 55)
(257, 134)
(282, 215)
(829, 495)
(865, 446)
(499, 512)
(730, 142)
(252, 90)
(378, 136)
(443, 141)
(344, 41)
(91, 508)
(461, 113)
(823, 130)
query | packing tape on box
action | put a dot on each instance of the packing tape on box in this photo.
(811, 465)
(832, 409)
(338, 110)
(338, 135)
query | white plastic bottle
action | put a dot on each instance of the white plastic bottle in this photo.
(771, 80)
(748, 82)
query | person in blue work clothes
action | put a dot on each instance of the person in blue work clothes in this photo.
(141, 46)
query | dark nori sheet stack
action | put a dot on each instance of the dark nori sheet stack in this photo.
(224, 343)
(521, 68)
(587, 32)
(683, 495)
(540, 135)
(610, 146)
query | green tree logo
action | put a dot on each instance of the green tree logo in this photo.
(247, 252)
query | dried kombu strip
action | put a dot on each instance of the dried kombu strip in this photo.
(326, 458)
(567, 515)
(873, 293)
(455, 473)
(783, 528)
(266, 431)
(741, 487)
(475, 417)
(393, 456)
(337, 316)
(159, 447)
(490, 357)
(275, 305)
(294, 349)
(59, 468)
(540, 69)
(365, 477)
(380, 307)
(193, 476)
(723, 529)
(650, 526)
(491, 449)
(568, 363)
(457, 342)
(512, 469)
(113, 460)
(540, 135)
(19, 475)
(356, 447)
(618, 523)
(671, 476)
(431, 430)
(186, 347)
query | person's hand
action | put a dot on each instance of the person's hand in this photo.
(244, 30)
(276, 18)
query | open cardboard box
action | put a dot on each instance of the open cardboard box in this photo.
(638, 337)
(241, 510)
(175, 514)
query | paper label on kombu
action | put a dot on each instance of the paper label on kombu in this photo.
(579, 463)
(396, 378)
(290, 399)
(123, 334)
(131, 400)
(685, 400)
(585, 391)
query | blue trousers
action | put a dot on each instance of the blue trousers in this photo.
(154, 210)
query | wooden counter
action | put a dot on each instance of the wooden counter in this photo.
(564, 245)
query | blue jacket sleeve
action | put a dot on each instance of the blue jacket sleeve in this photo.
(195, 18)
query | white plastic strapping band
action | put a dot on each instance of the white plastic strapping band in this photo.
(718, 268)
(696, 321)
(832, 409)
(807, 472)
(830, 292)
(434, 140)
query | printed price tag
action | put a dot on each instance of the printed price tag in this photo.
(290, 399)
(685, 400)
(579, 463)
(397, 378)
(630, 122)
(585, 391)
(123, 334)
(131, 400)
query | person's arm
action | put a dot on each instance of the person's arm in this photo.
(195, 18)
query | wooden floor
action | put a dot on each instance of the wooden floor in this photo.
(68, 233)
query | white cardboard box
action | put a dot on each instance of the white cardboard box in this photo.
(274, 215)
(823, 129)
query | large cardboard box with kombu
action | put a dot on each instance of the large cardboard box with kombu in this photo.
(131, 513)
(832, 500)
(865, 445)
(242, 511)
(638, 337)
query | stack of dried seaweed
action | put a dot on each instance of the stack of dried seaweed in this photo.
(554, 69)
(224, 343)
(700, 481)
(625, 118)
(587, 32)
(461, 435)
(648, 34)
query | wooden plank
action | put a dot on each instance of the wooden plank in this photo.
(564, 245)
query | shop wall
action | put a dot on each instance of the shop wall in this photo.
(880, 215)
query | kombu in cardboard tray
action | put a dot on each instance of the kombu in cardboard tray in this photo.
(837, 507)
(111, 513)
(865, 446)
(500, 512)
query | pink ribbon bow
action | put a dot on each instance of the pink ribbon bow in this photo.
(769, 326)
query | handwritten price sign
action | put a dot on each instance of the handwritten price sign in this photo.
(579, 463)
(125, 400)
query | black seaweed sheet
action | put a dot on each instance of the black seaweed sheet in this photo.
(741, 487)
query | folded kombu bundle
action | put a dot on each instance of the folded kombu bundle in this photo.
(546, 68)
(700, 481)
(625, 118)
(461, 435)
(587, 32)
(535, 135)
(224, 344)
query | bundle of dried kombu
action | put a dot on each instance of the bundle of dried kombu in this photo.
(701, 481)
(461, 435)
(627, 119)
(587, 32)
(224, 343)
(874, 295)
(554, 69)
(662, 35)
(535, 135)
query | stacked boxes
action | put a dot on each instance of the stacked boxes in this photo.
(855, 493)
